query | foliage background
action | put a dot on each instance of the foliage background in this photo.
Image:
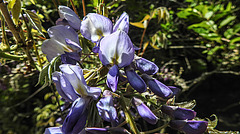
(196, 47)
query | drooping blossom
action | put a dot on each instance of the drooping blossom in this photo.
(67, 15)
(71, 83)
(178, 112)
(144, 111)
(116, 50)
(76, 118)
(157, 87)
(189, 126)
(106, 108)
(63, 41)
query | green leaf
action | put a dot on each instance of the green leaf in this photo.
(229, 7)
(33, 2)
(227, 20)
(15, 7)
(187, 104)
(237, 39)
(208, 15)
(43, 75)
(35, 21)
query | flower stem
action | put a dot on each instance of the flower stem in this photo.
(129, 118)
(156, 129)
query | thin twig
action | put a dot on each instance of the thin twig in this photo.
(84, 9)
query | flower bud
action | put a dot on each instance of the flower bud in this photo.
(135, 80)
(144, 111)
(146, 66)
(178, 113)
(189, 126)
(157, 87)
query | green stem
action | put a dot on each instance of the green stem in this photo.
(128, 115)
(10, 56)
(156, 129)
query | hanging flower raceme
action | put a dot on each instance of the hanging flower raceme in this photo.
(72, 86)
(144, 111)
(106, 108)
(68, 17)
(63, 41)
(189, 126)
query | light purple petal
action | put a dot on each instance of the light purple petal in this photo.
(60, 33)
(122, 23)
(135, 80)
(75, 76)
(95, 26)
(53, 130)
(76, 118)
(56, 45)
(112, 78)
(75, 46)
(52, 48)
(94, 92)
(116, 48)
(68, 14)
(64, 87)
(106, 109)
(146, 66)
(144, 111)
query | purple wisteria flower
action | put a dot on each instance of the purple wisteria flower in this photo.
(144, 111)
(70, 82)
(106, 108)
(178, 113)
(146, 66)
(63, 41)
(135, 80)
(117, 50)
(95, 26)
(189, 126)
(157, 87)
(76, 118)
(70, 16)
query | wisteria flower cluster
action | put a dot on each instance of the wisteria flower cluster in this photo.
(116, 52)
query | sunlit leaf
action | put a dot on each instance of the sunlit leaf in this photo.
(227, 20)
(35, 21)
(141, 23)
(15, 8)
(187, 104)
(213, 123)
(237, 39)
(137, 24)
